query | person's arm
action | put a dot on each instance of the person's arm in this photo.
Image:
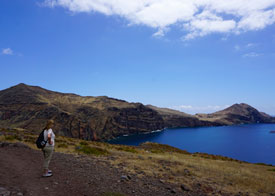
(50, 138)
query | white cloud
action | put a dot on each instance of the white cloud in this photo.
(224, 38)
(199, 109)
(7, 51)
(196, 17)
(247, 46)
(246, 49)
(250, 45)
(161, 32)
(257, 20)
(252, 54)
(237, 47)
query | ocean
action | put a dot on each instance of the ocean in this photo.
(252, 143)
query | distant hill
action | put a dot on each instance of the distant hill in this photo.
(103, 118)
(237, 114)
(174, 118)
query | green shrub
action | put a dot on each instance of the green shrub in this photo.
(83, 143)
(264, 164)
(161, 148)
(12, 137)
(91, 150)
(70, 139)
(60, 140)
(271, 170)
(62, 145)
(127, 149)
(29, 139)
(157, 151)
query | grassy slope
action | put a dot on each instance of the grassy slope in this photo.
(210, 173)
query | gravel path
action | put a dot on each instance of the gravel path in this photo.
(21, 174)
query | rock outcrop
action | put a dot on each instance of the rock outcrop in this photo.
(174, 118)
(29, 107)
(104, 118)
(237, 114)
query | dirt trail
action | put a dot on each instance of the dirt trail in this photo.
(21, 174)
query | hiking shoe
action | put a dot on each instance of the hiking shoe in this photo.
(47, 175)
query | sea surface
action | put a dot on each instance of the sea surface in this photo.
(252, 143)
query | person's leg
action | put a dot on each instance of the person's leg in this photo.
(45, 154)
(48, 151)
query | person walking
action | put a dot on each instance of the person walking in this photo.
(49, 136)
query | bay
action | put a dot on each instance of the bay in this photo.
(252, 143)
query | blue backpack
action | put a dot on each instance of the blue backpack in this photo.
(40, 142)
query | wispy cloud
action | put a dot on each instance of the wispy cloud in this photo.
(197, 18)
(7, 51)
(161, 32)
(252, 54)
(237, 47)
(225, 38)
(250, 45)
(199, 109)
(247, 50)
(247, 46)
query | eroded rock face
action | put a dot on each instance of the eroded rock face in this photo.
(104, 118)
(174, 118)
(237, 114)
(88, 118)
(179, 121)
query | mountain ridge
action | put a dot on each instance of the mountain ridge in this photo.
(88, 117)
(237, 114)
(104, 118)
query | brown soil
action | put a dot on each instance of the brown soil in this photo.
(21, 174)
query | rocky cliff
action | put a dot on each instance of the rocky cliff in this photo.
(29, 107)
(237, 114)
(174, 118)
(103, 118)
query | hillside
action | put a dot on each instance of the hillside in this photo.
(95, 168)
(104, 118)
(174, 118)
(237, 114)
(29, 107)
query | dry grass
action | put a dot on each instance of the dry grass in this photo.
(168, 163)
(180, 168)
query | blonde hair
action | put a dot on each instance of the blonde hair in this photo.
(49, 124)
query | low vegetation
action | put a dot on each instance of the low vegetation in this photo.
(62, 145)
(126, 148)
(210, 172)
(90, 150)
(12, 137)
(162, 148)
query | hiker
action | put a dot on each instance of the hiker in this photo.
(49, 148)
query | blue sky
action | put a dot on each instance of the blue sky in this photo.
(190, 57)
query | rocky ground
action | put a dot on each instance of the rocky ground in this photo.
(21, 174)
(95, 168)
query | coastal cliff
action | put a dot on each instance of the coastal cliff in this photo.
(174, 119)
(237, 114)
(100, 118)
(104, 118)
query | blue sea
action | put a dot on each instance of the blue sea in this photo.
(252, 143)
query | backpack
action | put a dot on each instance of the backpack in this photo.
(40, 142)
